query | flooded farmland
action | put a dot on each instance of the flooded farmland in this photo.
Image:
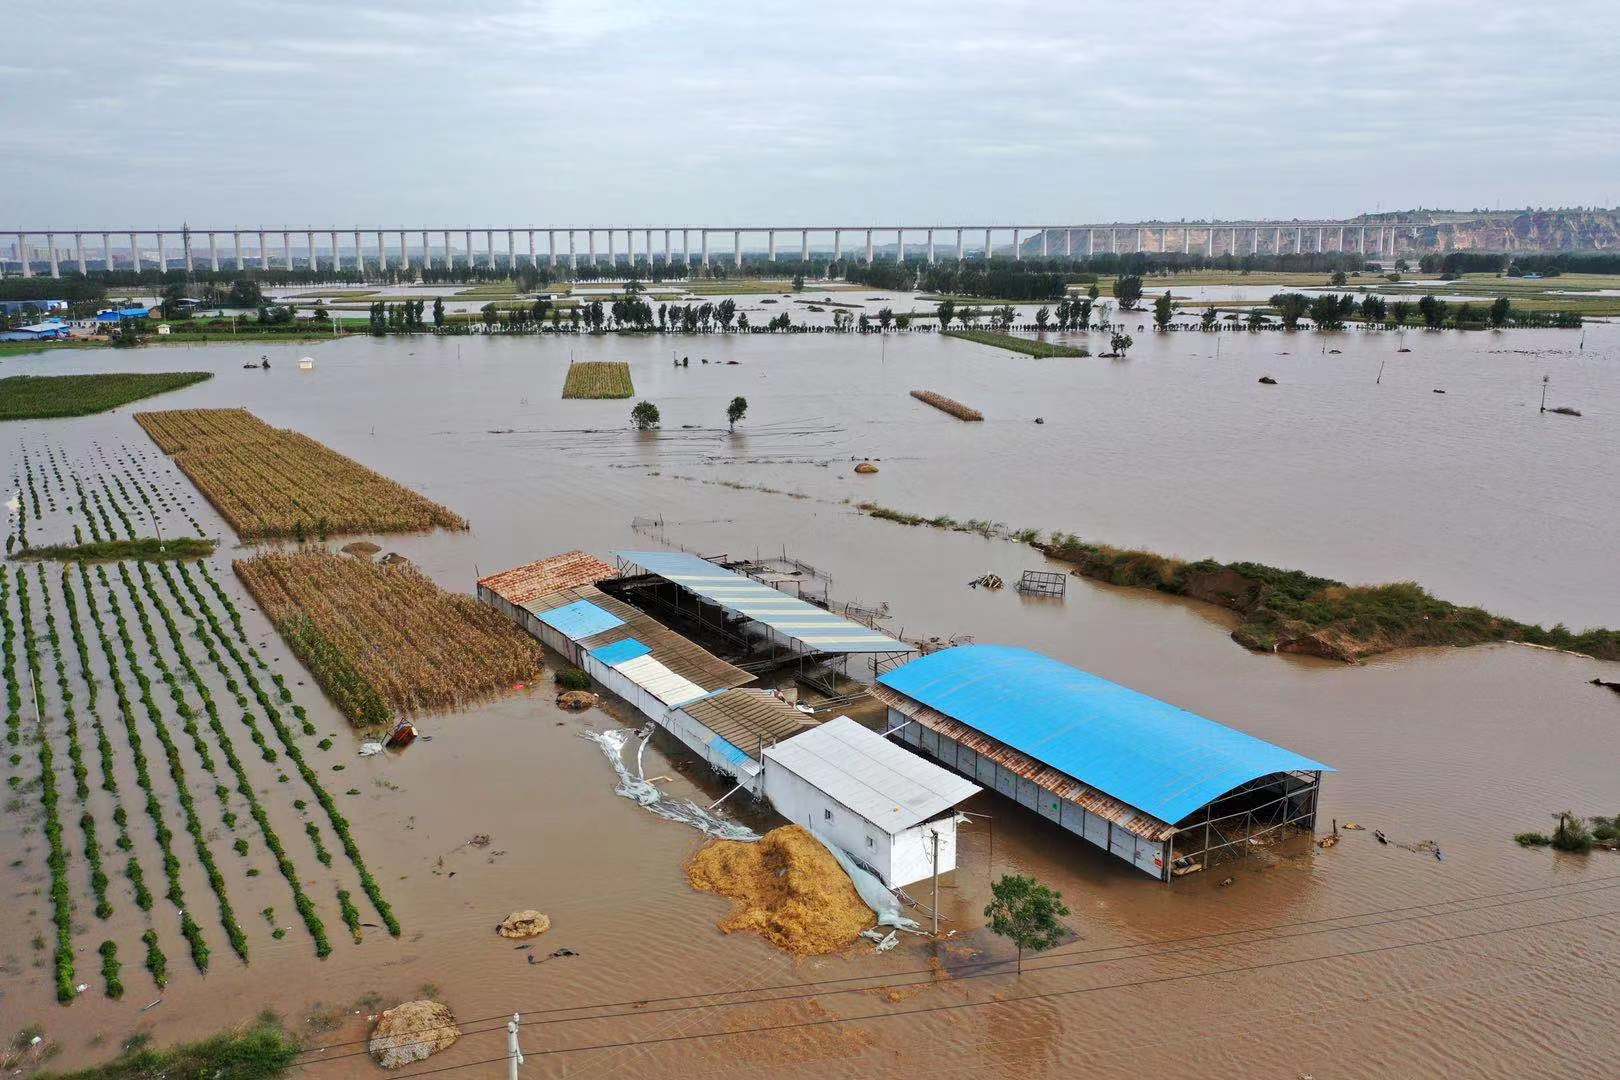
(1494, 961)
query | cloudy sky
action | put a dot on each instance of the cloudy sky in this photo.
(379, 112)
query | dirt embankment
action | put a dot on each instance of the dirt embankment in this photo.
(1290, 611)
(787, 888)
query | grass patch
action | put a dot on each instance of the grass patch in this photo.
(598, 379)
(260, 1052)
(1027, 346)
(41, 397)
(146, 549)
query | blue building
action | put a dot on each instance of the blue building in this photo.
(118, 315)
(1155, 785)
(19, 307)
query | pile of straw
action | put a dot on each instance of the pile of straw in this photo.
(945, 404)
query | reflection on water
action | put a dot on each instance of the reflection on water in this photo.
(1473, 493)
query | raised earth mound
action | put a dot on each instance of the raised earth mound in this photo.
(523, 924)
(412, 1031)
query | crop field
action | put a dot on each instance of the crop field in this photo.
(1013, 343)
(385, 641)
(36, 397)
(949, 405)
(598, 379)
(155, 754)
(267, 482)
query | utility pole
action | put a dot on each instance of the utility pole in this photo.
(935, 834)
(514, 1056)
(1544, 380)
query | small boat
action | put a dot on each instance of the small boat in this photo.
(1379, 834)
(404, 734)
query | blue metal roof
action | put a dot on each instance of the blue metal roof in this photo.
(1143, 751)
(795, 619)
(620, 651)
(580, 619)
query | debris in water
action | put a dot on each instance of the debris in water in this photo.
(1378, 834)
(1615, 686)
(1267, 380)
(1439, 391)
(523, 924)
(1040, 419)
(1353, 827)
(866, 468)
(576, 700)
(989, 581)
(403, 735)
(787, 888)
(367, 749)
(637, 788)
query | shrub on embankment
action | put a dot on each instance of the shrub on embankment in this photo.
(1292, 611)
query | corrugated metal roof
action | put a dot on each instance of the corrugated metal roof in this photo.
(1021, 764)
(1158, 758)
(789, 616)
(619, 651)
(580, 619)
(659, 681)
(680, 655)
(748, 718)
(886, 784)
(571, 569)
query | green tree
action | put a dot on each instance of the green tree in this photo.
(1163, 309)
(1432, 310)
(1207, 319)
(1337, 279)
(736, 410)
(946, 312)
(1290, 307)
(1128, 291)
(1500, 311)
(798, 282)
(1025, 912)
(1082, 310)
(1324, 312)
(244, 293)
(1041, 315)
(1121, 344)
(1399, 312)
(1093, 292)
(438, 311)
(644, 416)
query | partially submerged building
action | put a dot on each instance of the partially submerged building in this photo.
(888, 809)
(1153, 784)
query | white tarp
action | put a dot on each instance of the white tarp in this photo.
(636, 788)
(874, 894)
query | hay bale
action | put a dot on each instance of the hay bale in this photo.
(523, 924)
(787, 888)
(866, 468)
(576, 700)
(361, 549)
(411, 1032)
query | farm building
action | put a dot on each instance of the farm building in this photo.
(881, 804)
(1162, 788)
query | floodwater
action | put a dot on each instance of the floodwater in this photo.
(1361, 960)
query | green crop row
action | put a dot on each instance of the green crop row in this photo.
(61, 897)
(306, 908)
(289, 742)
(110, 968)
(165, 838)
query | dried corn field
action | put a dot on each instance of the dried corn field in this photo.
(269, 482)
(598, 379)
(383, 640)
(945, 404)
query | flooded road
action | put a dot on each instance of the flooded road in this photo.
(1360, 960)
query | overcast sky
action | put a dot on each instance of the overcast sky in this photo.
(394, 112)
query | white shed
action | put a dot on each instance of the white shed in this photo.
(879, 802)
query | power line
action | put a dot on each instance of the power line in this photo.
(1043, 996)
(638, 1002)
(642, 1012)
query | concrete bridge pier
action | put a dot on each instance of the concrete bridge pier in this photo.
(987, 247)
(900, 245)
(613, 253)
(573, 256)
(868, 247)
(703, 241)
(736, 247)
(804, 246)
(958, 245)
(1018, 247)
(1045, 245)
(770, 244)
(163, 255)
(838, 245)
(106, 250)
(78, 251)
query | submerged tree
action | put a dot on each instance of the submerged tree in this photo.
(1121, 343)
(1128, 291)
(736, 410)
(1025, 912)
(644, 416)
(1163, 309)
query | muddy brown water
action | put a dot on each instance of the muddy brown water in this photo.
(1358, 961)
